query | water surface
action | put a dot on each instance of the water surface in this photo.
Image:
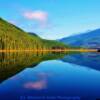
(49, 76)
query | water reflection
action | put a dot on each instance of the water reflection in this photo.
(50, 78)
(91, 60)
(39, 84)
(13, 63)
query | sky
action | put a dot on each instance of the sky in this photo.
(52, 19)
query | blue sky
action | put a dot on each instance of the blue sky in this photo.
(52, 19)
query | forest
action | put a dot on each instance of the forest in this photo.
(14, 38)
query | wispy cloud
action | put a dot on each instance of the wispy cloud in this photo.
(40, 16)
(37, 15)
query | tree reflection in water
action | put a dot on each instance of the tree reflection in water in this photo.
(13, 63)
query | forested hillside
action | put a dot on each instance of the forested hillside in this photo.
(12, 37)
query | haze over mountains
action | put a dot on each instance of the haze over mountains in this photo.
(87, 39)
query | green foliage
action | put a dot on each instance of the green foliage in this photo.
(12, 37)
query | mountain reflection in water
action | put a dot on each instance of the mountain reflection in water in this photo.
(13, 63)
(63, 75)
(90, 60)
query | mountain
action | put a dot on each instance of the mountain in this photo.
(87, 39)
(14, 38)
(33, 34)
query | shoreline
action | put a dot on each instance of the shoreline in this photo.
(56, 50)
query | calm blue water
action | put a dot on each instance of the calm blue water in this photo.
(73, 77)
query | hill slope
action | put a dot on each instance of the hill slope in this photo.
(88, 39)
(12, 37)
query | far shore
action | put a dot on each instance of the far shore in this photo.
(53, 50)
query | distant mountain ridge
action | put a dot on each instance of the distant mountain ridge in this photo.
(84, 39)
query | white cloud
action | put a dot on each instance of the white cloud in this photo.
(36, 15)
(40, 16)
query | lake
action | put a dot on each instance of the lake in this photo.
(49, 76)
